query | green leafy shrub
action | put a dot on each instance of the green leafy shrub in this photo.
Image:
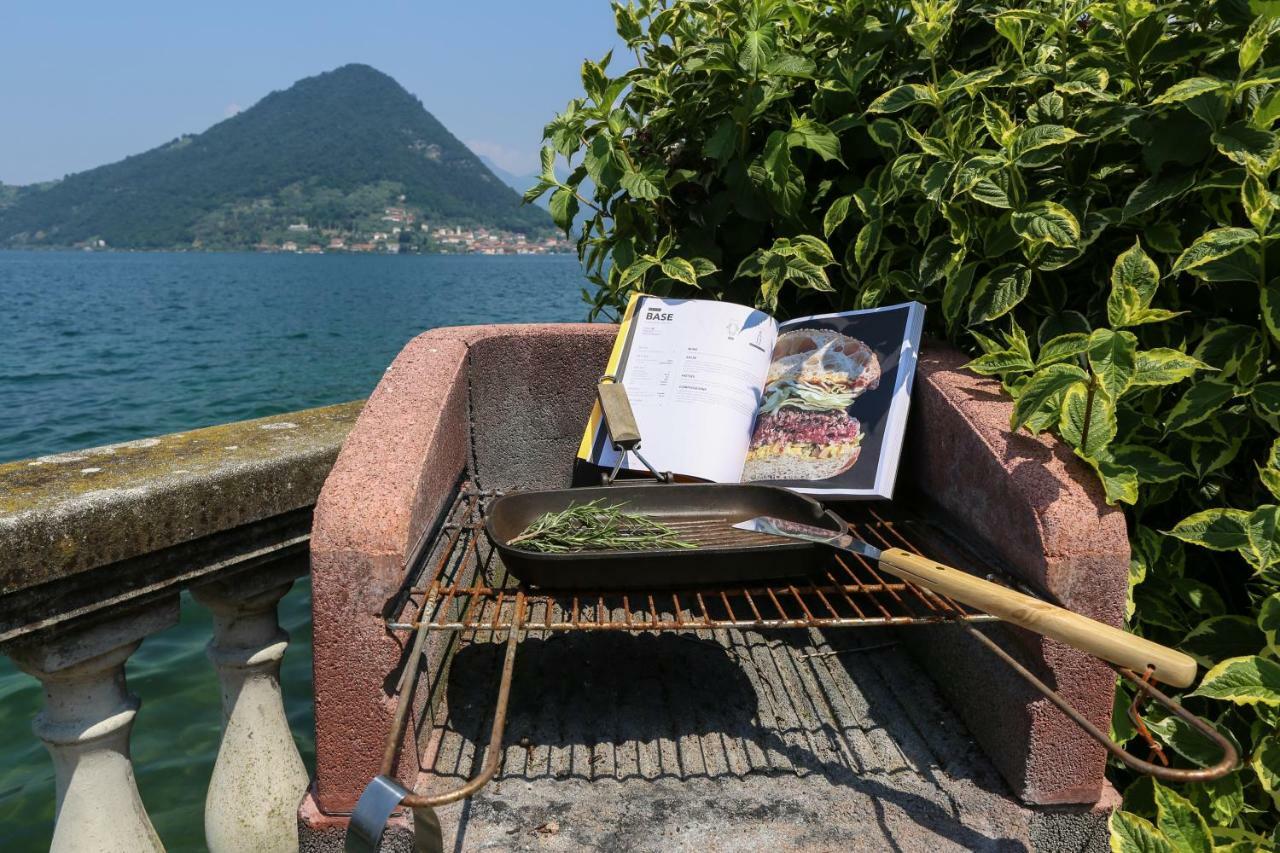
(1084, 193)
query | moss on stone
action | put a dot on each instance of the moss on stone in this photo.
(72, 511)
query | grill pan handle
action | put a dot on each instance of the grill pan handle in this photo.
(620, 424)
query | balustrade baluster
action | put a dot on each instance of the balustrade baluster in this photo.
(85, 724)
(259, 778)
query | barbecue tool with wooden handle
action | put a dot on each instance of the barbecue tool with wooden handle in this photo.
(1103, 641)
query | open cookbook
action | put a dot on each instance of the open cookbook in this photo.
(725, 393)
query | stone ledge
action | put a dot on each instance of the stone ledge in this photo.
(68, 513)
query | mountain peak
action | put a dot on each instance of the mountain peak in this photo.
(330, 148)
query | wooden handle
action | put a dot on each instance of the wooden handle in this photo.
(1109, 644)
(619, 420)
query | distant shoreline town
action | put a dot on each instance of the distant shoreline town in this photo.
(398, 231)
(403, 233)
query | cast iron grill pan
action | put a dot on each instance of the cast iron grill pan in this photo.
(703, 513)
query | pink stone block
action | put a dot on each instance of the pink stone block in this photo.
(1041, 511)
(396, 472)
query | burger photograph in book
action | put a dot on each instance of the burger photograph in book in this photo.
(828, 399)
(804, 430)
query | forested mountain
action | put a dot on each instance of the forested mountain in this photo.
(332, 150)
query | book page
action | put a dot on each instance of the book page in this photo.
(834, 410)
(694, 372)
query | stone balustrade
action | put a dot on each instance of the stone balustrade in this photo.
(97, 545)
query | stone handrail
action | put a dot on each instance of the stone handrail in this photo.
(97, 546)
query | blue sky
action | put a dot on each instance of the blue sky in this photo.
(82, 84)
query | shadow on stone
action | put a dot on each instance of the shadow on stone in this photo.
(660, 730)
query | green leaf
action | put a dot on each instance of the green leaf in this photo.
(1258, 201)
(777, 157)
(866, 243)
(1269, 622)
(681, 270)
(836, 214)
(956, 291)
(646, 183)
(791, 65)
(755, 50)
(1219, 529)
(1221, 637)
(1211, 246)
(1187, 741)
(998, 292)
(1049, 222)
(1157, 190)
(901, 97)
(1255, 41)
(1263, 529)
(1041, 136)
(1011, 27)
(1119, 482)
(935, 180)
(564, 207)
(1198, 402)
(815, 136)
(885, 132)
(547, 156)
(703, 267)
(1247, 680)
(998, 123)
(1247, 145)
(1062, 347)
(535, 192)
(1238, 266)
(1232, 349)
(1266, 396)
(1087, 425)
(988, 191)
(1271, 479)
(1266, 763)
(808, 247)
(722, 142)
(1133, 834)
(1185, 90)
(1151, 465)
(1180, 822)
(1213, 454)
(1134, 278)
(1269, 304)
(1113, 357)
(635, 273)
(1046, 383)
(1267, 111)
(998, 363)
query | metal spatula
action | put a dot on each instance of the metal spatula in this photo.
(1103, 641)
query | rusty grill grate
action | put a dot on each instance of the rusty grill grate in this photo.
(460, 585)
(457, 584)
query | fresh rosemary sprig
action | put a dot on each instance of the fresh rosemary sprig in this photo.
(594, 527)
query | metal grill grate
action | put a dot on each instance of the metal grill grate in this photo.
(461, 585)
(458, 585)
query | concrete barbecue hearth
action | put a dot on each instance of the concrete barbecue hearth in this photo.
(708, 739)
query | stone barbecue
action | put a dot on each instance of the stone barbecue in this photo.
(746, 724)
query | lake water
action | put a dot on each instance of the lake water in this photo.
(99, 348)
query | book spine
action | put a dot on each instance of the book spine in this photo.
(615, 358)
